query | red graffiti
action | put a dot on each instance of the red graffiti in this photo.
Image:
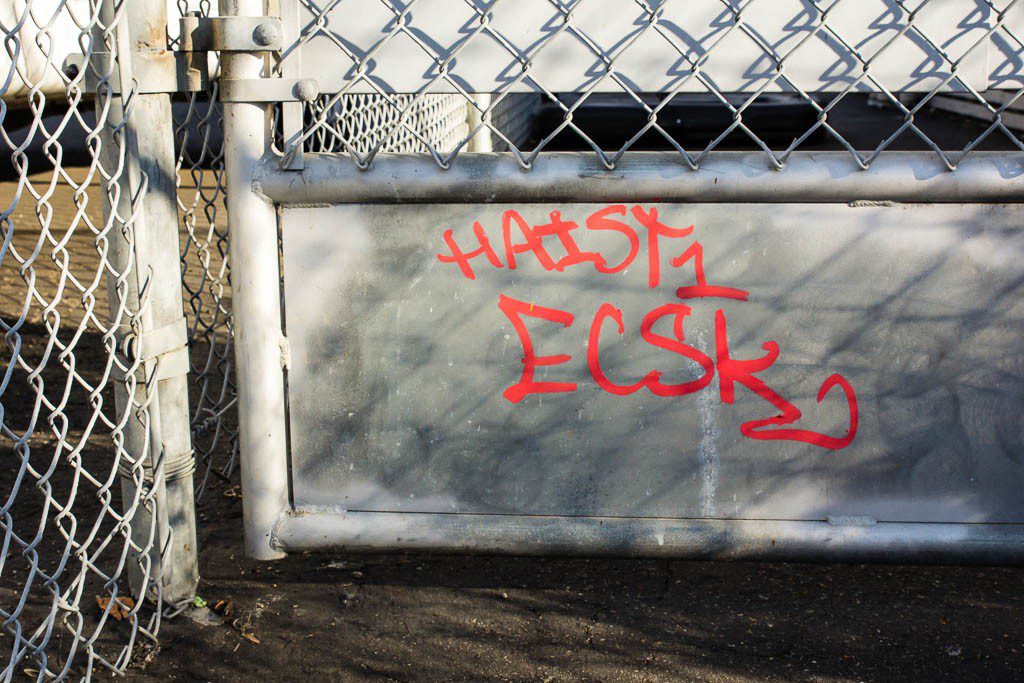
(652, 381)
(532, 242)
(521, 238)
(731, 371)
(702, 289)
(462, 258)
(563, 230)
(515, 310)
(656, 229)
(599, 221)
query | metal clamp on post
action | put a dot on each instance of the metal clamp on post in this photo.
(166, 71)
(256, 34)
(184, 70)
(166, 347)
(230, 34)
(269, 90)
(241, 34)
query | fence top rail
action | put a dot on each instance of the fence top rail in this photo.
(645, 176)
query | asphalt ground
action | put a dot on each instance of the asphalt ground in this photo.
(441, 618)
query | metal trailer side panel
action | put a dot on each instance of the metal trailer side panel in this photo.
(399, 364)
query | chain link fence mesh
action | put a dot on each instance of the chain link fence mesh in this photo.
(69, 545)
(205, 272)
(359, 123)
(732, 74)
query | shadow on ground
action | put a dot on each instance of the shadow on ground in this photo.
(427, 618)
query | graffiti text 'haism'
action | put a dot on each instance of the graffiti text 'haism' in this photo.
(520, 238)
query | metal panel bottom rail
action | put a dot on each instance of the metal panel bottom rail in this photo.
(846, 539)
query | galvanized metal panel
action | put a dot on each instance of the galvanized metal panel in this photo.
(403, 46)
(399, 363)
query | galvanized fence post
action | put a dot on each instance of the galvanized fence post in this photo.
(138, 133)
(256, 304)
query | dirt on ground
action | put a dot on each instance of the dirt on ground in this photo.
(439, 618)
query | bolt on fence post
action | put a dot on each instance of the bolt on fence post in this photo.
(144, 243)
(256, 305)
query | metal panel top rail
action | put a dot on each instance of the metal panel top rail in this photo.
(645, 176)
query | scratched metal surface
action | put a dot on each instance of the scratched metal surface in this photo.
(399, 364)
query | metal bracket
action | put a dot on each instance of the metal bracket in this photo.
(163, 340)
(269, 90)
(164, 71)
(852, 520)
(246, 34)
(230, 34)
(168, 346)
(165, 347)
(292, 113)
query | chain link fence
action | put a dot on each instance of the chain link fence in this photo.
(205, 267)
(72, 545)
(81, 540)
(694, 78)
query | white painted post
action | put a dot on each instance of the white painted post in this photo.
(481, 142)
(256, 302)
(149, 252)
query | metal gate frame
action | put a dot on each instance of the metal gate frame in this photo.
(261, 184)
